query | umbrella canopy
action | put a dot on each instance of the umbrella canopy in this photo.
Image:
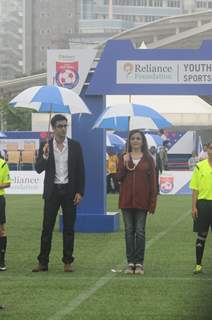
(113, 140)
(153, 140)
(184, 112)
(119, 117)
(2, 135)
(51, 99)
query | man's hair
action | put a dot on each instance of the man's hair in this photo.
(208, 143)
(57, 117)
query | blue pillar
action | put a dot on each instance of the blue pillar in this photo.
(92, 213)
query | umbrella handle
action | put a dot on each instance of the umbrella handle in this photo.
(128, 138)
(127, 144)
(48, 133)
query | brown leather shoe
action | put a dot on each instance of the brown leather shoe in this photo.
(68, 267)
(40, 268)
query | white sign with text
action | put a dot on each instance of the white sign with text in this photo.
(162, 72)
(25, 182)
(69, 68)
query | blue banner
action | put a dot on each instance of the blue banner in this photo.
(126, 70)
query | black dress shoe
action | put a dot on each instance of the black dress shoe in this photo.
(3, 267)
(40, 268)
(68, 267)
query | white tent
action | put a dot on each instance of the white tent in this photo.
(184, 112)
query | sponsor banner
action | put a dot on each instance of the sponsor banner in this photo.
(30, 182)
(69, 68)
(175, 182)
(126, 70)
(25, 182)
(164, 72)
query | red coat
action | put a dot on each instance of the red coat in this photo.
(138, 188)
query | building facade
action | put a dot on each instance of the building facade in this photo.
(48, 25)
(102, 19)
(11, 34)
(29, 28)
(117, 15)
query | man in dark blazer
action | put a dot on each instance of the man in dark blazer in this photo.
(62, 160)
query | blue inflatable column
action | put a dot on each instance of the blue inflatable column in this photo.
(91, 214)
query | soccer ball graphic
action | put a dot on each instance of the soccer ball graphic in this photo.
(68, 78)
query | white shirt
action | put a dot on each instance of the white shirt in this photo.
(61, 162)
(135, 161)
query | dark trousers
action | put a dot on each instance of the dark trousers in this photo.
(2, 210)
(135, 222)
(51, 207)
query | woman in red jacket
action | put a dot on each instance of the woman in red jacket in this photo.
(138, 194)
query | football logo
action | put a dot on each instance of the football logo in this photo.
(166, 184)
(67, 75)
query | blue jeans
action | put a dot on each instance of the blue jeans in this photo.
(135, 222)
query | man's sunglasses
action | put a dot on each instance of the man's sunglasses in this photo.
(60, 126)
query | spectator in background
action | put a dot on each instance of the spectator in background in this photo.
(203, 154)
(158, 164)
(112, 166)
(192, 161)
(163, 135)
(164, 155)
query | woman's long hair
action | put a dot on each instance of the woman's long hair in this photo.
(144, 147)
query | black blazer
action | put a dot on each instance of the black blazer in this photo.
(76, 171)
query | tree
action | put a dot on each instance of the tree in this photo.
(14, 119)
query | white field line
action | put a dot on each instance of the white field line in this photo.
(107, 277)
(206, 276)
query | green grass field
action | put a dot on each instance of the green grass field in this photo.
(167, 291)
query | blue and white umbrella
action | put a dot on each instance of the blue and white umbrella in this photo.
(120, 117)
(2, 135)
(153, 140)
(50, 99)
(113, 140)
